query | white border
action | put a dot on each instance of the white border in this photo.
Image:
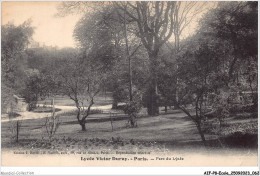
(125, 170)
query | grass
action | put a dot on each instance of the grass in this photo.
(240, 122)
(101, 128)
(173, 130)
(70, 144)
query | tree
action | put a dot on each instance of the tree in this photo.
(185, 13)
(40, 80)
(14, 40)
(196, 72)
(81, 82)
(235, 23)
(155, 24)
(207, 67)
(13, 44)
(133, 107)
(33, 88)
(104, 36)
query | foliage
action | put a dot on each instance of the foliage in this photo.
(7, 98)
(208, 73)
(14, 40)
(34, 88)
(236, 24)
(133, 107)
(98, 39)
(249, 108)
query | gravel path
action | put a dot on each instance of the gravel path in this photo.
(36, 115)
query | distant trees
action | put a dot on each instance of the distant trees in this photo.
(40, 79)
(14, 41)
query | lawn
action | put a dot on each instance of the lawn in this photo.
(172, 130)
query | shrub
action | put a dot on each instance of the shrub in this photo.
(7, 99)
(243, 108)
(52, 124)
(132, 108)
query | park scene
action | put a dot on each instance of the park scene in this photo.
(159, 76)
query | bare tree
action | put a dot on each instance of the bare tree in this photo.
(81, 83)
(52, 123)
(185, 13)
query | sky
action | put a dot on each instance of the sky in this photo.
(50, 30)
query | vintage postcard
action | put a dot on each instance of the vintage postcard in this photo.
(159, 83)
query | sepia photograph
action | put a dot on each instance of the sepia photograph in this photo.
(129, 83)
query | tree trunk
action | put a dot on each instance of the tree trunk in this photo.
(132, 121)
(127, 55)
(115, 104)
(81, 121)
(152, 104)
(153, 98)
(201, 133)
(17, 131)
(196, 121)
(83, 126)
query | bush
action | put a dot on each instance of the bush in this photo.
(7, 99)
(246, 115)
(132, 108)
(243, 108)
(239, 139)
